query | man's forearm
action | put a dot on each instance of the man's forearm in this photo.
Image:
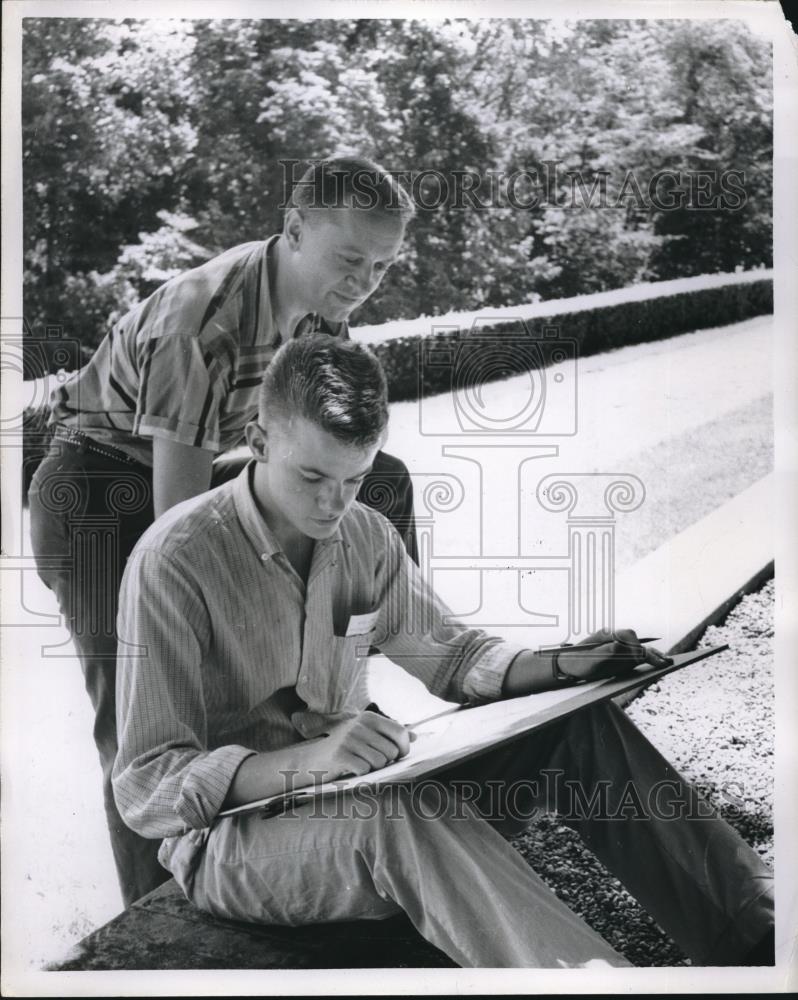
(179, 471)
(529, 673)
(360, 743)
(600, 656)
(274, 772)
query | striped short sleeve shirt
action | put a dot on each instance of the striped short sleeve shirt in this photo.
(186, 363)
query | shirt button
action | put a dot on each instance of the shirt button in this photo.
(264, 557)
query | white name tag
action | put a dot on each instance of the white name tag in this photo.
(361, 624)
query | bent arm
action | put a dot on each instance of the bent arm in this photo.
(419, 632)
(356, 745)
(179, 471)
(167, 778)
(618, 654)
(275, 772)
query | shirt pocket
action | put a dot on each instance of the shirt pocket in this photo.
(346, 672)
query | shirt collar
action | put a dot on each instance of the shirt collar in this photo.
(271, 277)
(255, 528)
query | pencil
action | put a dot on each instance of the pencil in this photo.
(579, 647)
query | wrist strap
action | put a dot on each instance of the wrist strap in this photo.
(558, 675)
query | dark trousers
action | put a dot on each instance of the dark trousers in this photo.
(87, 512)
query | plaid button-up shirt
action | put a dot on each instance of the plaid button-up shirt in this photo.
(224, 651)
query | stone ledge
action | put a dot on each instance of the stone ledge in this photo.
(165, 931)
(695, 578)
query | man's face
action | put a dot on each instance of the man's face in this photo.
(341, 255)
(306, 479)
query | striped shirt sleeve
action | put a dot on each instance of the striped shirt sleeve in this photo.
(166, 780)
(420, 633)
(187, 346)
(182, 390)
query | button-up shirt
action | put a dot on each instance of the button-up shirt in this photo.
(186, 363)
(224, 651)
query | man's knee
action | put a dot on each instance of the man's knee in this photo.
(392, 807)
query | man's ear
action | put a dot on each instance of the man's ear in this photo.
(293, 225)
(258, 441)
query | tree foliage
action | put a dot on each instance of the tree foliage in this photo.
(150, 145)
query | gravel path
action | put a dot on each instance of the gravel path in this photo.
(714, 722)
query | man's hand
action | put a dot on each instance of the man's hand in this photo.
(364, 743)
(618, 655)
(353, 746)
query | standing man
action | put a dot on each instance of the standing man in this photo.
(171, 387)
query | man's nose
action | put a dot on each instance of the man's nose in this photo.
(363, 280)
(333, 499)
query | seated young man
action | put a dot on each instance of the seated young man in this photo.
(237, 672)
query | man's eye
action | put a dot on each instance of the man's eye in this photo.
(311, 479)
(351, 260)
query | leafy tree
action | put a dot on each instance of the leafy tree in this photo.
(721, 83)
(151, 145)
(105, 137)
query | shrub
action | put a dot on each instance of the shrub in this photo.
(598, 329)
(595, 329)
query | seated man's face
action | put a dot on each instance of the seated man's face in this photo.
(344, 253)
(308, 478)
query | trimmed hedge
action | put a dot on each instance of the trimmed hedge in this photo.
(511, 348)
(479, 357)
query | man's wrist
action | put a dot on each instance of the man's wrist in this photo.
(558, 675)
(530, 672)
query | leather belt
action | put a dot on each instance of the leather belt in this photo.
(80, 440)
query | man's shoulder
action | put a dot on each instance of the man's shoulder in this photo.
(196, 525)
(198, 292)
(213, 272)
(366, 529)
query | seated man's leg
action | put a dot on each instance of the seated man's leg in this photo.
(687, 867)
(388, 489)
(372, 855)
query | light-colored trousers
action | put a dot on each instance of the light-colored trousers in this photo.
(430, 852)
